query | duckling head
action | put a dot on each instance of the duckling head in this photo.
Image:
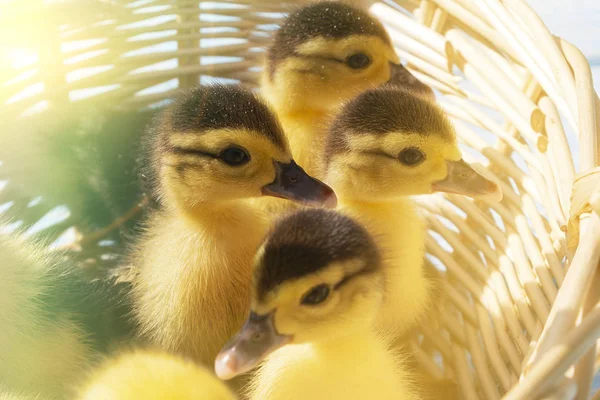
(317, 276)
(388, 143)
(219, 143)
(328, 52)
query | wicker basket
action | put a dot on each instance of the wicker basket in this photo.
(521, 314)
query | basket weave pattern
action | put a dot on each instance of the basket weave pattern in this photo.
(519, 304)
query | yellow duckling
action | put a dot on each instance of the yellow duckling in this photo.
(149, 375)
(386, 145)
(54, 321)
(213, 149)
(323, 55)
(317, 286)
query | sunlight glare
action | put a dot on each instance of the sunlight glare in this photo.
(21, 58)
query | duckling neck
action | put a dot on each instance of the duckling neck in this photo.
(344, 341)
(191, 289)
(353, 366)
(400, 234)
(306, 131)
(222, 216)
(290, 102)
(305, 128)
(398, 207)
(387, 219)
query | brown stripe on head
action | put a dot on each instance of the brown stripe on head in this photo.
(307, 242)
(215, 107)
(329, 20)
(385, 110)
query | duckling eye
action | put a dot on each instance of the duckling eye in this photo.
(411, 156)
(316, 295)
(234, 156)
(358, 61)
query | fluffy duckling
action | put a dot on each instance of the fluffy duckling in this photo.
(149, 375)
(212, 150)
(54, 321)
(323, 55)
(317, 286)
(386, 145)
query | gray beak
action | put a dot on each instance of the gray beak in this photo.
(257, 339)
(401, 77)
(463, 179)
(292, 183)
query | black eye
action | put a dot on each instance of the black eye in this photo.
(316, 295)
(411, 156)
(234, 156)
(358, 61)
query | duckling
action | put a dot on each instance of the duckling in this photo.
(150, 374)
(212, 150)
(316, 289)
(323, 55)
(386, 145)
(54, 321)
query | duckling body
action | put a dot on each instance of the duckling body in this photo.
(194, 296)
(47, 313)
(400, 234)
(306, 133)
(386, 145)
(357, 366)
(316, 291)
(148, 375)
(213, 150)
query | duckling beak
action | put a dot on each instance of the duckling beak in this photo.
(292, 183)
(257, 339)
(463, 179)
(402, 78)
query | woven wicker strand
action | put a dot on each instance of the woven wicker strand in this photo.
(521, 305)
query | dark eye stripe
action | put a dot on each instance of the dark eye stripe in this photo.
(348, 278)
(308, 72)
(193, 152)
(320, 57)
(344, 280)
(326, 58)
(379, 153)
